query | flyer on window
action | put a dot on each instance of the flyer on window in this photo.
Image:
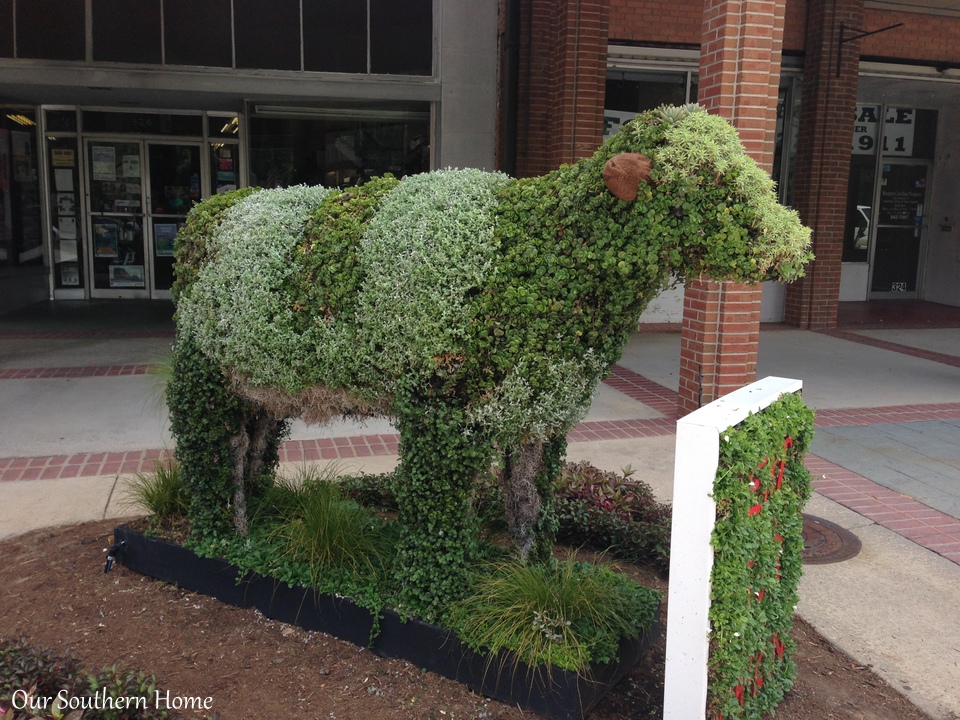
(164, 235)
(104, 159)
(126, 276)
(66, 203)
(105, 239)
(70, 273)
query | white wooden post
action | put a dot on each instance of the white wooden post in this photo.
(691, 554)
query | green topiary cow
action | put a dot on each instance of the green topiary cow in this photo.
(477, 311)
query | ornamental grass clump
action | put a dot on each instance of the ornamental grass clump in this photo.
(561, 614)
(319, 528)
(161, 493)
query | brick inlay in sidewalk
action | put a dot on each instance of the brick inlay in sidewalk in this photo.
(637, 387)
(354, 446)
(75, 372)
(931, 355)
(900, 513)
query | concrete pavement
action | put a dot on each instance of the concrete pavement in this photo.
(80, 412)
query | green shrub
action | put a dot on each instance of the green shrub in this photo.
(562, 613)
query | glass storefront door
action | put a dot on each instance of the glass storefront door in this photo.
(173, 189)
(116, 203)
(900, 223)
(139, 194)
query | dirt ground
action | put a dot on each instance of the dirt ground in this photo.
(55, 593)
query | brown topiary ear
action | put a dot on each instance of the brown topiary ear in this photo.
(623, 173)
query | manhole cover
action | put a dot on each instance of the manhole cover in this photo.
(824, 542)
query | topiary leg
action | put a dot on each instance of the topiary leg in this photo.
(434, 483)
(545, 531)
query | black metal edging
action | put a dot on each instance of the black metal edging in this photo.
(557, 695)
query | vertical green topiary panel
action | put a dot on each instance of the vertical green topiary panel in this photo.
(760, 491)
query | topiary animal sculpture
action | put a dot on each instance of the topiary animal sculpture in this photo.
(475, 310)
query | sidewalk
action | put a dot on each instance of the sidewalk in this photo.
(80, 410)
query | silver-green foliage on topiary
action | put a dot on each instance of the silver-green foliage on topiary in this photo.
(431, 245)
(234, 310)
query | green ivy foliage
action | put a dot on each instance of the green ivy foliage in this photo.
(439, 530)
(760, 491)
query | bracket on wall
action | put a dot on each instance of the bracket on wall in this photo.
(860, 34)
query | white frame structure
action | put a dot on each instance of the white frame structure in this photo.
(691, 553)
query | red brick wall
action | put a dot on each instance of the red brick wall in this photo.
(740, 68)
(718, 345)
(795, 25)
(679, 23)
(562, 82)
(922, 37)
(675, 22)
(823, 150)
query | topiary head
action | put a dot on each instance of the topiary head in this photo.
(688, 174)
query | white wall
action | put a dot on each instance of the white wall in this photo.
(667, 307)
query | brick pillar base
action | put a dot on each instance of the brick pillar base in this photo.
(718, 342)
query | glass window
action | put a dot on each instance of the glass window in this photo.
(267, 34)
(224, 161)
(335, 35)
(863, 169)
(630, 92)
(401, 37)
(785, 144)
(908, 132)
(640, 91)
(338, 150)
(126, 32)
(197, 32)
(51, 29)
(62, 121)
(223, 126)
(21, 240)
(6, 28)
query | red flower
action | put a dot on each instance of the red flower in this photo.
(778, 646)
(755, 510)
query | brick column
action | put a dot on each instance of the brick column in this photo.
(740, 53)
(563, 70)
(823, 158)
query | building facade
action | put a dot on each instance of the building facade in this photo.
(117, 116)
(863, 142)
